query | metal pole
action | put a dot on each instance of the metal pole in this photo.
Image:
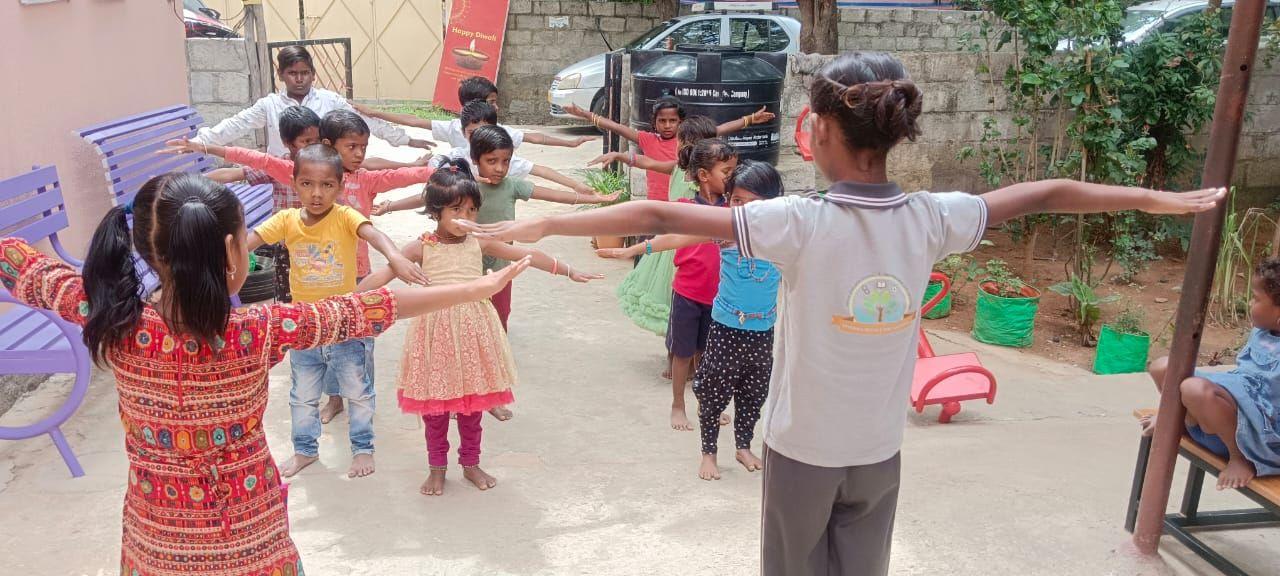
(302, 20)
(1224, 137)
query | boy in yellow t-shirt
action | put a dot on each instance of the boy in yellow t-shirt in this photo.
(321, 237)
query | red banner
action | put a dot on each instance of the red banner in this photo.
(472, 47)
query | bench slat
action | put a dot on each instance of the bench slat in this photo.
(89, 131)
(21, 324)
(31, 207)
(182, 114)
(130, 186)
(27, 183)
(1267, 486)
(41, 229)
(37, 362)
(141, 145)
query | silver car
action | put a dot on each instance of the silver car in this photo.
(583, 83)
(1142, 20)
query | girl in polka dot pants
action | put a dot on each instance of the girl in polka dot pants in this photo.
(736, 367)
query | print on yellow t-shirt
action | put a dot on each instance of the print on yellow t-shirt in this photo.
(322, 256)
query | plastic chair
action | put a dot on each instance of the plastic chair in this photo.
(951, 379)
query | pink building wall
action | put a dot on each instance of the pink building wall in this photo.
(72, 63)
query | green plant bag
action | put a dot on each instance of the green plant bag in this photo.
(943, 309)
(1120, 353)
(1004, 321)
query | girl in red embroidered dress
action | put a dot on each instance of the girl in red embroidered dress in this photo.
(203, 494)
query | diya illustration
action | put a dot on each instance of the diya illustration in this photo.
(469, 57)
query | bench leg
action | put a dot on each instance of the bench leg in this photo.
(1139, 475)
(1191, 494)
(949, 409)
(65, 450)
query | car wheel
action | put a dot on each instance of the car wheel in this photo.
(599, 105)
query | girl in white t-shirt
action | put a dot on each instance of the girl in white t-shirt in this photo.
(854, 263)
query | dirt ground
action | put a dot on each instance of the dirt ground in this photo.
(1156, 291)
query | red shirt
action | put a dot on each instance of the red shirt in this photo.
(655, 147)
(698, 268)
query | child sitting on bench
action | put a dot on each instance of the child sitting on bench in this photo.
(1236, 414)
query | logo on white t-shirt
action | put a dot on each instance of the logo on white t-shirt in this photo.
(877, 305)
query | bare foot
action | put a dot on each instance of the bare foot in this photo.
(479, 477)
(331, 409)
(708, 470)
(1148, 424)
(501, 413)
(296, 464)
(725, 420)
(1237, 473)
(679, 421)
(749, 460)
(361, 466)
(434, 486)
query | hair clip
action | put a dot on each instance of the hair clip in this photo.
(128, 209)
(453, 168)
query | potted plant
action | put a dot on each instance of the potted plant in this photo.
(1123, 345)
(607, 182)
(1006, 309)
(1086, 305)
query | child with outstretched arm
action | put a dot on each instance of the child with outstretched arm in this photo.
(831, 445)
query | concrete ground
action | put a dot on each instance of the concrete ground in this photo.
(593, 481)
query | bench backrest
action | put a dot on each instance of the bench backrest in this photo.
(129, 145)
(32, 208)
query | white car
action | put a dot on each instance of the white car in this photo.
(1142, 20)
(583, 83)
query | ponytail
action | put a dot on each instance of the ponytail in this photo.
(198, 278)
(112, 285)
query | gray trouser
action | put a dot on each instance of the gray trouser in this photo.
(827, 521)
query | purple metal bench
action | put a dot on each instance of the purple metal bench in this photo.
(128, 147)
(38, 341)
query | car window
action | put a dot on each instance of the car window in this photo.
(702, 32)
(651, 34)
(758, 35)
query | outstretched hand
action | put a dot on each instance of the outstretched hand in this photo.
(425, 160)
(381, 208)
(575, 110)
(762, 115)
(615, 253)
(407, 271)
(181, 146)
(606, 159)
(583, 140)
(362, 109)
(607, 198)
(528, 230)
(583, 277)
(1184, 202)
(493, 282)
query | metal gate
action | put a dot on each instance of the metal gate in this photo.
(332, 58)
(395, 44)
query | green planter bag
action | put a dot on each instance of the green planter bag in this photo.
(1005, 321)
(943, 309)
(1120, 353)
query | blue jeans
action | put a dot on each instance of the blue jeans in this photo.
(331, 387)
(348, 363)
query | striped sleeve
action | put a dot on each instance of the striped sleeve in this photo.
(962, 220)
(773, 230)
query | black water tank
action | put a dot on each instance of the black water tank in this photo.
(723, 83)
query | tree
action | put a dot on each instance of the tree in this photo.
(818, 31)
(667, 9)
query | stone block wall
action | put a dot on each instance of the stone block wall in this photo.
(544, 36)
(956, 101)
(218, 76)
(905, 29)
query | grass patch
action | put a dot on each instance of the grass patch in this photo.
(426, 111)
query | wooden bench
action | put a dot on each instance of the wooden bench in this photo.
(129, 149)
(38, 341)
(1265, 491)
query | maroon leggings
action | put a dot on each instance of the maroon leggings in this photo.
(502, 302)
(469, 433)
